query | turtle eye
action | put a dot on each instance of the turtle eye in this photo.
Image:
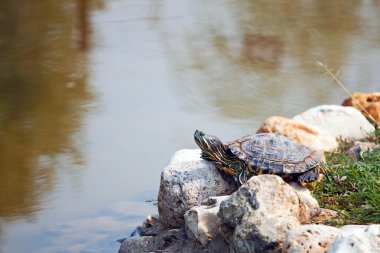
(214, 141)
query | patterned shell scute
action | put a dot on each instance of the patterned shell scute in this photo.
(275, 154)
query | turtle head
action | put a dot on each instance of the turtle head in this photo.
(212, 148)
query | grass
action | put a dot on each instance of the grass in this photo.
(352, 188)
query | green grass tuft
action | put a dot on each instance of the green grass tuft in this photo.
(352, 188)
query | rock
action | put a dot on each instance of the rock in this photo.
(186, 155)
(341, 122)
(368, 101)
(324, 214)
(138, 244)
(309, 238)
(302, 133)
(308, 206)
(145, 238)
(186, 182)
(202, 222)
(259, 214)
(217, 244)
(349, 229)
(155, 238)
(151, 226)
(357, 239)
(359, 147)
(152, 237)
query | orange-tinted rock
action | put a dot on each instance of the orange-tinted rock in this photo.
(367, 103)
(300, 132)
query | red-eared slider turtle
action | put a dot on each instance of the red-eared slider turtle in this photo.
(262, 154)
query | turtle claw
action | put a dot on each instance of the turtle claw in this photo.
(308, 177)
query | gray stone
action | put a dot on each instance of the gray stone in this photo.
(309, 238)
(357, 239)
(202, 222)
(146, 239)
(340, 121)
(151, 226)
(155, 238)
(259, 214)
(359, 147)
(138, 244)
(187, 181)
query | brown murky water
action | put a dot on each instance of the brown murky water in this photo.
(96, 95)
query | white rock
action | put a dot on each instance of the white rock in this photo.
(340, 121)
(348, 229)
(186, 183)
(309, 206)
(357, 239)
(202, 222)
(260, 213)
(309, 238)
(186, 155)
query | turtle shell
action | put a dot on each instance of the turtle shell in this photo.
(275, 154)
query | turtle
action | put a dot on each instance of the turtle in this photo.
(263, 153)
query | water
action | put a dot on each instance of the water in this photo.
(95, 96)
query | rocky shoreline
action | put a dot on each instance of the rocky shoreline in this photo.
(202, 210)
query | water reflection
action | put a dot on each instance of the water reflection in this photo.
(247, 59)
(43, 90)
(310, 30)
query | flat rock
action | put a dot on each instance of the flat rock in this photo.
(342, 122)
(258, 215)
(357, 239)
(302, 133)
(202, 222)
(309, 238)
(188, 181)
(367, 103)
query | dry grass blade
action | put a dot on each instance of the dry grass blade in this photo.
(324, 66)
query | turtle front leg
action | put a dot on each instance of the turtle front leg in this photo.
(308, 177)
